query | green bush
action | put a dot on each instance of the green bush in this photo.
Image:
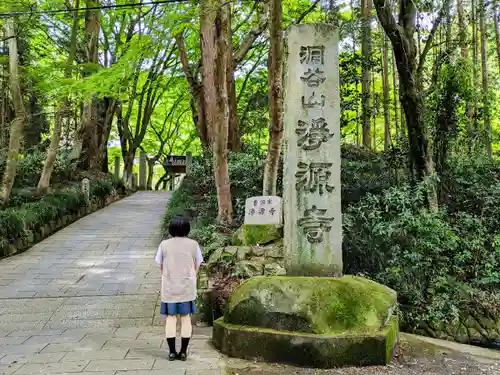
(11, 225)
(14, 221)
(50, 207)
(436, 261)
(101, 188)
(30, 168)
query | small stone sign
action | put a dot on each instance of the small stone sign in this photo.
(86, 189)
(263, 210)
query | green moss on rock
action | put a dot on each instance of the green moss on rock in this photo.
(321, 351)
(259, 234)
(311, 305)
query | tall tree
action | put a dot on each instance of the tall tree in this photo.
(402, 36)
(484, 68)
(275, 72)
(197, 86)
(366, 48)
(63, 111)
(496, 21)
(387, 100)
(215, 35)
(17, 125)
(86, 147)
(395, 95)
(472, 111)
(462, 29)
(146, 90)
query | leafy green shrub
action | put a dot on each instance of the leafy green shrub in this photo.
(51, 206)
(101, 188)
(31, 164)
(365, 171)
(11, 225)
(435, 261)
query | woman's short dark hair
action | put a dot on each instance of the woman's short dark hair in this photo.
(179, 226)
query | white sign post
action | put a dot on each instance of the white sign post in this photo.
(263, 211)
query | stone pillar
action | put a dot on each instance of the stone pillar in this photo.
(86, 190)
(189, 160)
(142, 170)
(134, 181)
(117, 167)
(311, 178)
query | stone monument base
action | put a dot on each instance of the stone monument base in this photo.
(309, 321)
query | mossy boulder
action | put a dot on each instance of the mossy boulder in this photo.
(310, 321)
(326, 306)
(257, 234)
(320, 351)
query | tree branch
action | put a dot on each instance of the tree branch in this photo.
(247, 42)
(387, 20)
(306, 12)
(430, 39)
(192, 80)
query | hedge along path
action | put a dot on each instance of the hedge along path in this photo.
(25, 224)
(84, 299)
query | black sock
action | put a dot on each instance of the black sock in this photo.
(184, 344)
(171, 344)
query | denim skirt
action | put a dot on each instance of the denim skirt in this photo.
(177, 308)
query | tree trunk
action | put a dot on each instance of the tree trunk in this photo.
(485, 84)
(221, 168)
(62, 112)
(496, 20)
(472, 110)
(366, 50)
(106, 110)
(215, 35)
(275, 69)
(87, 138)
(16, 127)
(412, 100)
(234, 135)
(462, 27)
(151, 171)
(395, 94)
(385, 84)
(197, 100)
(128, 164)
(208, 36)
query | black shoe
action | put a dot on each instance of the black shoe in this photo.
(182, 356)
(172, 356)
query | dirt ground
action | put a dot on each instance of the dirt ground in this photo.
(412, 357)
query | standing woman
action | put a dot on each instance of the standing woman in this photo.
(180, 259)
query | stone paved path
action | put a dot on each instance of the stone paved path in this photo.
(85, 299)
